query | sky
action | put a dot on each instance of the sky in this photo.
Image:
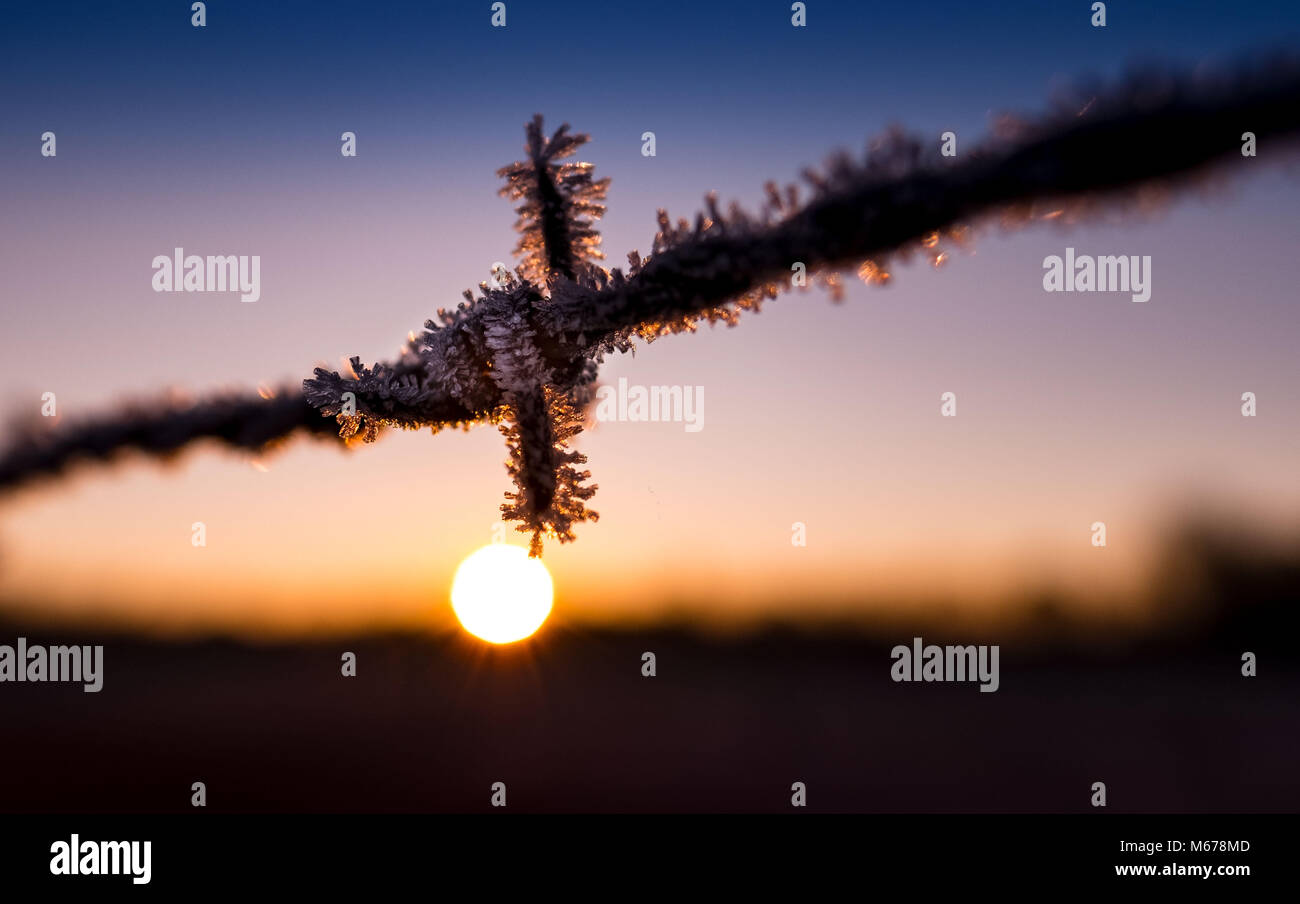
(226, 140)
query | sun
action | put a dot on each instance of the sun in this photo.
(500, 594)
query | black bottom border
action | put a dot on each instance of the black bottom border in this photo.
(223, 852)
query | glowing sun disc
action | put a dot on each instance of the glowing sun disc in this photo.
(501, 595)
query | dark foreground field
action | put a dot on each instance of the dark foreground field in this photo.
(569, 724)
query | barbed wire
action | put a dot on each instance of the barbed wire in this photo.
(523, 353)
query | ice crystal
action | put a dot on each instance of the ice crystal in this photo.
(559, 204)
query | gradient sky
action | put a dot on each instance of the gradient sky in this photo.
(225, 140)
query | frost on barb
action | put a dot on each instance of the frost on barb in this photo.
(549, 497)
(515, 362)
(559, 204)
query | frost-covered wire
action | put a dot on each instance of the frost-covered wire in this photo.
(523, 353)
(160, 428)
